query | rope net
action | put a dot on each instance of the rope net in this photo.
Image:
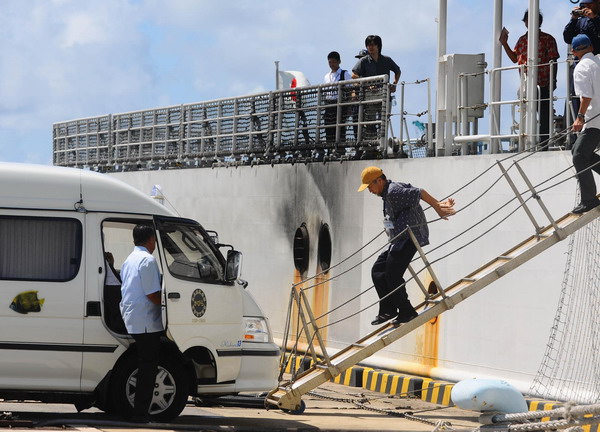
(570, 369)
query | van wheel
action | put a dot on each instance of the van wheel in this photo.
(170, 389)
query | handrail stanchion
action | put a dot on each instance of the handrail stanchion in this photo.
(316, 330)
(305, 325)
(442, 292)
(519, 197)
(539, 200)
(415, 277)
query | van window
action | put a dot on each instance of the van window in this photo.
(188, 252)
(40, 249)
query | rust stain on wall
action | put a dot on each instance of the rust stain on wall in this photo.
(320, 302)
(431, 336)
(318, 299)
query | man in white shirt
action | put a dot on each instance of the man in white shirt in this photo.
(586, 79)
(141, 311)
(331, 97)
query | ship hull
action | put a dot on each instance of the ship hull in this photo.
(499, 333)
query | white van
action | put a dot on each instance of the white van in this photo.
(61, 335)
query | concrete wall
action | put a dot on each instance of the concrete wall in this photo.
(500, 332)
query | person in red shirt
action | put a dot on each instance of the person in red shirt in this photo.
(547, 52)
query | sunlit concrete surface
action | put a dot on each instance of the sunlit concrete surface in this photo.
(320, 415)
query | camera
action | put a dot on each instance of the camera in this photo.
(579, 12)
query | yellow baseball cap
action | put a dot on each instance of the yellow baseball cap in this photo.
(369, 175)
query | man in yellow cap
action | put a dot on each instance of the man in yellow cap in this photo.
(401, 209)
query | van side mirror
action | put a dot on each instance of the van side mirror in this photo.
(233, 268)
(214, 236)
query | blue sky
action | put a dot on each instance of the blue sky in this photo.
(67, 59)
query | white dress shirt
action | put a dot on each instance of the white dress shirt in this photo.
(333, 77)
(586, 78)
(141, 277)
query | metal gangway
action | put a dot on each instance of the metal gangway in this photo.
(288, 395)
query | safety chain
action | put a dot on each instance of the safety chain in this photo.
(360, 403)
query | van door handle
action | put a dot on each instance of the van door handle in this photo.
(173, 295)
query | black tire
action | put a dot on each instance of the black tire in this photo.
(299, 410)
(170, 392)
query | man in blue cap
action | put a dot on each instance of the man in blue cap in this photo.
(586, 79)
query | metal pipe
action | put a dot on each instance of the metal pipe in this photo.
(522, 109)
(402, 118)
(495, 78)
(464, 114)
(568, 113)
(486, 138)
(430, 146)
(551, 104)
(533, 25)
(441, 119)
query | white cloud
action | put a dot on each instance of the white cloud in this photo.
(83, 28)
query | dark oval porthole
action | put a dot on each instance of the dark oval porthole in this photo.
(301, 245)
(324, 249)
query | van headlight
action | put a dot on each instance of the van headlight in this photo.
(256, 330)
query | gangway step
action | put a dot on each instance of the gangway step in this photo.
(289, 397)
(356, 345)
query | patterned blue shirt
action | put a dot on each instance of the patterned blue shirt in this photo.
(402, 204)
(140, 276)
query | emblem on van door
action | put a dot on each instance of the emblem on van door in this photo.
(198, 302)
(26, 302)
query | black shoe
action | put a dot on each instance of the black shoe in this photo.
(585, 207)
(380, 319)
(401, 319)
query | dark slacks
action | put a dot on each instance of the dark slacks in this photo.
(544, 116)
(584, 157)
(148, 348)
(330, 119)
(387, 274)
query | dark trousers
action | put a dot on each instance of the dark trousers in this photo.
(148, 348)
(544, 116)
(387, 274)
(584, 157)
(330, 119)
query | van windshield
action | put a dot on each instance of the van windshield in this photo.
(189, 253)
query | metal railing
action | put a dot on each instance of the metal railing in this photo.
(518, 137)
(338, 121)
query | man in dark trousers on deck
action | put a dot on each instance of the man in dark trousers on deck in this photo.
(401, 209)
(374, 64)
